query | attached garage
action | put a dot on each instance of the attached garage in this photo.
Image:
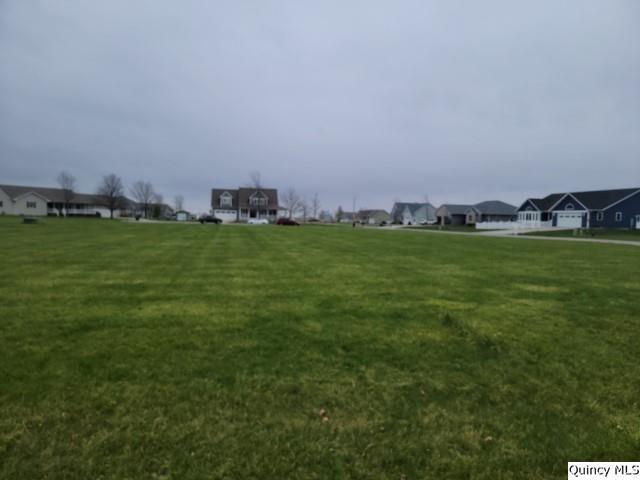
(569, 219)
(227, 216)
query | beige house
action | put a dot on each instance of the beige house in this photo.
(25, 203)
(42, 201)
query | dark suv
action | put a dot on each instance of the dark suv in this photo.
(209, 219)
(287, 221)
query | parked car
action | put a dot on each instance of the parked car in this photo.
(209, 219)
(287, 221)
(258, 221)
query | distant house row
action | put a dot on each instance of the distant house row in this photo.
(43, 201)
(452, 214)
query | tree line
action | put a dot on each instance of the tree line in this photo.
(111, 193)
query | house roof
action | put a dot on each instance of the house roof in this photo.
(399, 207)
(240, 196)
(495, 207)
(245, 193)
(215, 196)
(599, 199)
(456, 209)
(55, 195)
(372, 213)
(593, 200)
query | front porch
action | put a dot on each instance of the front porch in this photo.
(534, 219)
(257, 213)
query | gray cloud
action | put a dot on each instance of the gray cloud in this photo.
(463, 101)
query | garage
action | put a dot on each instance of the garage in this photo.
(227, 216)
(569, 219)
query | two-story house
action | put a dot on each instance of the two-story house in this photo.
(242, 204)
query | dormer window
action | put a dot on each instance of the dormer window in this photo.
(226, 200)
(258, 199)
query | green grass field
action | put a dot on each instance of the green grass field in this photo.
(598, 233)
(189, 351)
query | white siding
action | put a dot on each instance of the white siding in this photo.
(20, 207)
(7, 203)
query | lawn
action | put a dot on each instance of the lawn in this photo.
(599, 233)
(263, 352)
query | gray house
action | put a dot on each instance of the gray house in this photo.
(408, 213)
(373, 217)
(452, 214)
(491, 211)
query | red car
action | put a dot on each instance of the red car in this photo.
(287, 221)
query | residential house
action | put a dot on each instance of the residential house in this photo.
(491, 211)
(407, 213)
(373, 217)
(242, 204)
(619, 208)
(42, 201)
(348, 217)
(452, 214)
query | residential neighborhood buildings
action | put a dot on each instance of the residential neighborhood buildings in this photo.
(491, 211)
(452, 214)
(407, 213)
(373, 217)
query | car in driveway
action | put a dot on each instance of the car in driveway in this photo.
(258, 221)
(209, 219)
(287, 221)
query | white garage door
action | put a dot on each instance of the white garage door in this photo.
(570, 220)
(225, 215)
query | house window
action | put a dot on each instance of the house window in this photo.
(0, 203)
(32, 205)
(226, 200)
(599, 216)
(259, 202)
(569, 206)
(618, 216)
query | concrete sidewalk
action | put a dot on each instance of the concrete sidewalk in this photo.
(519, 235)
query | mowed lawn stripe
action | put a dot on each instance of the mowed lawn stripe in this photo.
(189, 351)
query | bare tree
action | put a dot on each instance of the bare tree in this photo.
(144, 194)
(111, 192)
(304, 209)
(339, 214)
(178, 202)
(315, 205)
(68, 184)
(256, 179)
(157, 208)
(291, 202)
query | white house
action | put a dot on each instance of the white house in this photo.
(42, 201)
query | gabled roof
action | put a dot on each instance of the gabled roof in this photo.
(456, 209)
(245, 193)
(547, 202)
(495, 207)
(592, 200)
(599, 199)
(54, 195)
(413, 207)
(215, 196)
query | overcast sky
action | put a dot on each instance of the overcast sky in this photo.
(384, 100)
